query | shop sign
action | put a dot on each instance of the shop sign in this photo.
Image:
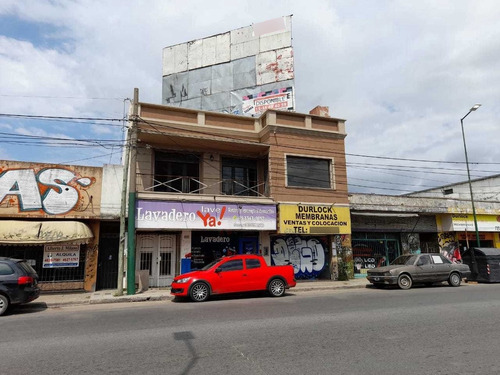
(314, 219)
(198, 215)
(464, 222)
(58, 256)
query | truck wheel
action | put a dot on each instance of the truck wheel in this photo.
(199, 292)
(276, 287)
(454, 279)
(4, 304)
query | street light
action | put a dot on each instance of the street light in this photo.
(473, 257)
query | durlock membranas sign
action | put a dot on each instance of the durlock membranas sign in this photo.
(314, 219)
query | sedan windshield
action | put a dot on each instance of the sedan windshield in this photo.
(405, 260)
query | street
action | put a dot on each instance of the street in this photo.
(435, 330)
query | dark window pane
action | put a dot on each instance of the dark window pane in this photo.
(232, 265)
(5, 269)
(176, 173)
(308, 172)
(252, 263)
(239, 176)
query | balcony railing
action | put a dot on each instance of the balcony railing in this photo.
(191, 185)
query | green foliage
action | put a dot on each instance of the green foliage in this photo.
(343, 270)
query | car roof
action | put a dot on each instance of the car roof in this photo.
(242, 256)
(11, 259)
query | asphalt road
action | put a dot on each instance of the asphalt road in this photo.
(436, 330)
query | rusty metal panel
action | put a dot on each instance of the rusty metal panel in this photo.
(275, 66)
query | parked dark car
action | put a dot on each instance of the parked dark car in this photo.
(419, 268)
(18, 283)
(488, 264)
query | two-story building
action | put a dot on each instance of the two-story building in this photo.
(212, 184)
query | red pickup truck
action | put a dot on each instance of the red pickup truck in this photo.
(234, 274)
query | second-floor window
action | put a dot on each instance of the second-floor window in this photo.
(239, 177)
(308, 172)
(176, 173)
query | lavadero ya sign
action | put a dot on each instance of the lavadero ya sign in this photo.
(314, 219)
(197, 215)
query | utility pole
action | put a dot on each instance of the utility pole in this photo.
(131, 197)
(123, 211)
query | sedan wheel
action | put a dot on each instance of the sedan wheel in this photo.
(404, 282)
(276, 287)
(4, 304)
(454, 279)
(199, 292)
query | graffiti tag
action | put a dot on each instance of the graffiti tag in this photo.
(49, 190)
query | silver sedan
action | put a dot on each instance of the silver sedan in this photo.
(407, 270)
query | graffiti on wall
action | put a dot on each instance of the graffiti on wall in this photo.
(52, 191)
(343, 246)
(410, 243)
(305, 254)
(449, 246)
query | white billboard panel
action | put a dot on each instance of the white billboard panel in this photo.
(204, 73)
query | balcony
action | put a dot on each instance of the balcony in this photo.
(193, 186)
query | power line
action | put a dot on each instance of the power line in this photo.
(58, 97)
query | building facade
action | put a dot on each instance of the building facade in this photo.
(49, 215)
(435, 220)
(212, 184)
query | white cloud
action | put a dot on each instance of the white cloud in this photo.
(401, 73)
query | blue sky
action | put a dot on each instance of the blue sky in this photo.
(402, 73)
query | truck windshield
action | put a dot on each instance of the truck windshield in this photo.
(211, 264)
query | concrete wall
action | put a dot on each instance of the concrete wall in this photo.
(416, 204)
(485, 189)
(112, 182)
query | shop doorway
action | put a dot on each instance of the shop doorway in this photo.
(371, 253)
(156, 254)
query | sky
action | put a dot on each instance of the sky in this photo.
(401, 73)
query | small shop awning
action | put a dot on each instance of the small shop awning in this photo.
(21, 232)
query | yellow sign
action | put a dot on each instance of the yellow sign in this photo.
(314, 219)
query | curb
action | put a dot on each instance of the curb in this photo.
(91, 300)
(129, 299)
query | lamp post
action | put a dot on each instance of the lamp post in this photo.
(473, 257)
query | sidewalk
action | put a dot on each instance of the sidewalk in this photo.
(161, 294)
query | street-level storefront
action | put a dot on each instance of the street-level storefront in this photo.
(311, 237)
(57, 250)
(174, 237)
(378, 238)
(457, 231)
(49, 215)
